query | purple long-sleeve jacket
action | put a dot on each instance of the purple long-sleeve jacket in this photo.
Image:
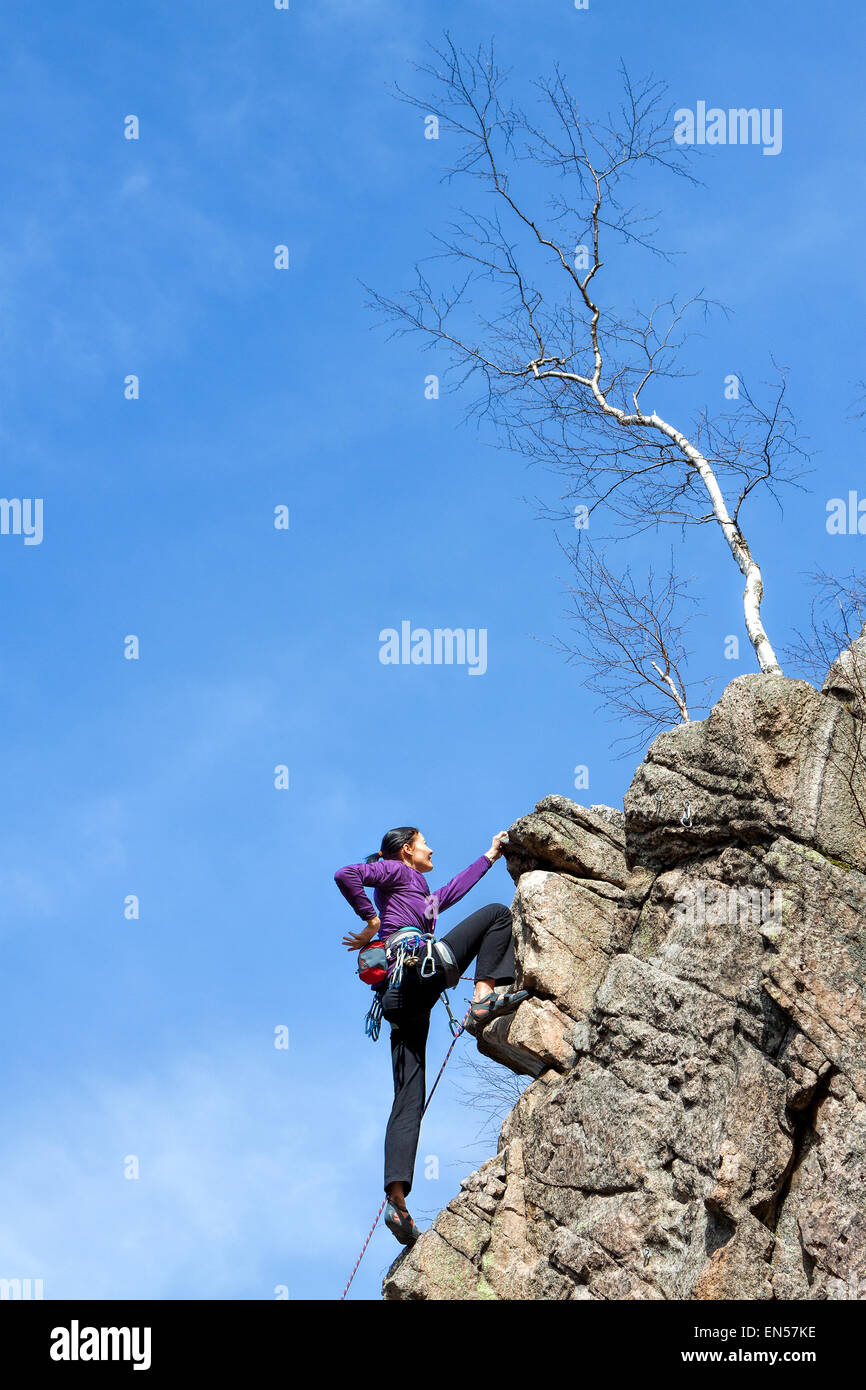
(401, 894)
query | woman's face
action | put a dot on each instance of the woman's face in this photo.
(418, 855)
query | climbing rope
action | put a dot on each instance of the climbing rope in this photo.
(423, 1113)
(364, 1248)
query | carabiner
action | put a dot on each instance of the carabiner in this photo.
(456, 1028)
(430, 960)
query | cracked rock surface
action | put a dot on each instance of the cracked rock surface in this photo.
(696, 1123)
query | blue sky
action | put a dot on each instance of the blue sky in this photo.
(259, 647)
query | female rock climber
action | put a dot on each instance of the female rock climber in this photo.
(396, 874)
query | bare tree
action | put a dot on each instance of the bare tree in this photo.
(565, 374)
(837, 613)
(490, 1090)
(632, 642)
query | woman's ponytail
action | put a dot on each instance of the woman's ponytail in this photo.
(392, 843)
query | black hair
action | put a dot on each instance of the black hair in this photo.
(392, 843)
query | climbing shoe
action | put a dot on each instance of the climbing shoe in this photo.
(495, 1005)
(400, 1223)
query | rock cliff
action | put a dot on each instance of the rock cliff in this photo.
(696, 1125)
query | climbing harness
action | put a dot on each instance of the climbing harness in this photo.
(408, 946)
(403, 952)
(460, 1028)
(388, 959)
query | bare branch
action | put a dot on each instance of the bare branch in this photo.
(633, 642)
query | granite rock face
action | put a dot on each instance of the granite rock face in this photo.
(846, 679)
(696, 1125)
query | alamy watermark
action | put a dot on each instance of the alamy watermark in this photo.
(21, 1289)
(441, 646)
(710, 904)
(846, 516)
(22, 516)
(738, 125)
(77, 1343)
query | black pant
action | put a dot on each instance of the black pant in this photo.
(487, 934)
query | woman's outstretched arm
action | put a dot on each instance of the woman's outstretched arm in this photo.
(459, 886)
